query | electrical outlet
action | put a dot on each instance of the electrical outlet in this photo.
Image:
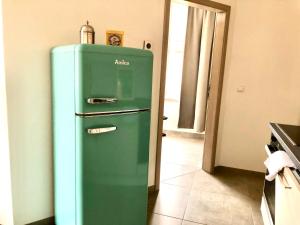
(147, 45)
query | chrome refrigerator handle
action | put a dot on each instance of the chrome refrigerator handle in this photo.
(95, 101)
(101, 130)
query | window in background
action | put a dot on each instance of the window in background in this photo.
(177, 33)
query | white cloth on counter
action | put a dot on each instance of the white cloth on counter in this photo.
(276, 162)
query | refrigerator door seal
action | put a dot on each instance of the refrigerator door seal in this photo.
(108, 113)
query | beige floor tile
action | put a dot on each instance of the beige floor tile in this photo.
(239, 202)
(156, 219)
(231, 185)
(171, 201)
(172, 170)
(183, 151)
(184, 222)
(229, 197)
(256, 216)
(208, 208)
(241, 216)
(185, 181)
(206, 182)
(180, 156)
(218, 209)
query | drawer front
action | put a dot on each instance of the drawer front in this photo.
(287, 199)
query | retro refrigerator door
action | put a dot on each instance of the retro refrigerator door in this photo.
(112, 79)
(112, 169)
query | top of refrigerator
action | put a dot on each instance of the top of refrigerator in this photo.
(106, 79)
(102, 49)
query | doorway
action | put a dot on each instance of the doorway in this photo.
(194, 49)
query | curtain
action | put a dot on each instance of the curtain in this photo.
(190, 68)
(204, 70)
(196, 69)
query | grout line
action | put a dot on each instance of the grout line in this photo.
(179, 176)
(180, 164)
(189, 190)
(182, 219)
(188, 200)
(195, 222)
(252, 215)
(168, 216)
(247, 194)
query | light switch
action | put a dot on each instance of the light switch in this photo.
(241, 89)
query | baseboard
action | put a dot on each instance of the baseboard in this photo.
(48, 221)
(51, 220)
(151, 189)
(231, 169)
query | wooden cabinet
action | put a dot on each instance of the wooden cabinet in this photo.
(287, 199)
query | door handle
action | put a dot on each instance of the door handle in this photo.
(101, 130)
(95, 101)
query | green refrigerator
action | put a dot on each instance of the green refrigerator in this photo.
(101, 101)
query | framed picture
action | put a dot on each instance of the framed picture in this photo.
(114, 38)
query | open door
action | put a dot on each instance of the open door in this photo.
(214, 99)
(216, 80)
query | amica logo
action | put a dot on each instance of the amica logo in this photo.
(122, 62)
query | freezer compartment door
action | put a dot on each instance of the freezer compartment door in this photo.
(112, 169)
(112, 79)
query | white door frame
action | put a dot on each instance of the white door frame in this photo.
(214, 102)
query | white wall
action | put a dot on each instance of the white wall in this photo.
(6, 216)
(31, 28)
(263, 56)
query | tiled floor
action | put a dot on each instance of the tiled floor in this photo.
(189, 196)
